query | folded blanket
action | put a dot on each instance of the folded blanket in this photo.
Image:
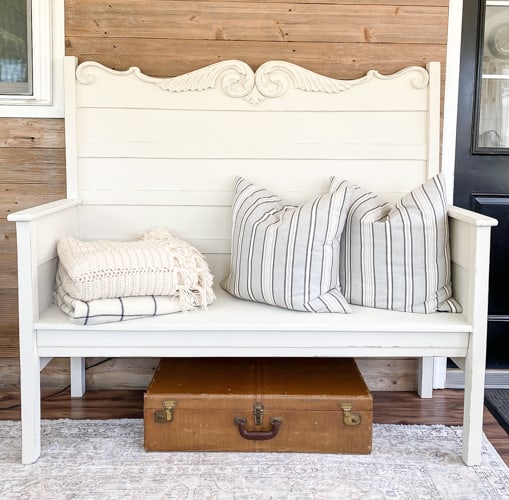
(118, 309)
(106, 281)
(158, 263)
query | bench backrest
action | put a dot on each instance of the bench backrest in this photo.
(144, 152)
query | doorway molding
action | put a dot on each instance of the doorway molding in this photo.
(452, 73)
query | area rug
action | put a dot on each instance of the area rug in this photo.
(497, 401)
(105, 459)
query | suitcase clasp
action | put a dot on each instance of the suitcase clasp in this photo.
(258, 413)
(350, 418)
(166, 415)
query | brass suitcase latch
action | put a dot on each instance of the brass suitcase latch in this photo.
(350, 418)
(166, 414)
(258, 413)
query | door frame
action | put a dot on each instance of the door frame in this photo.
(451, 93)
(443, 377)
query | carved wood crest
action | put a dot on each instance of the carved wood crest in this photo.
(236, 79)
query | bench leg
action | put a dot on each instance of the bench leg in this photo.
(30, 378)
(473, 410)
(425, 377)
(78, 384)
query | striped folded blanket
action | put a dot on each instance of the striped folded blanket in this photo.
(98, 311)
(105, 281)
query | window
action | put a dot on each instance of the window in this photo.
(15, 40)
(31, 58)
(492, 127)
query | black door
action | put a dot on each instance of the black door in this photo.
(482, 151)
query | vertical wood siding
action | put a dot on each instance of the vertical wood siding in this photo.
(339, 38)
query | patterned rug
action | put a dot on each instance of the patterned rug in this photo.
(104, 459)
(497, 401)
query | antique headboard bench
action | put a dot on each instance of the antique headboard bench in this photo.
(146, 152)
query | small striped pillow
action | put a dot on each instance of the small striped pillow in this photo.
(285, 255)
(398, 257)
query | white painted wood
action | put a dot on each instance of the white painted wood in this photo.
(232, 85)
(473, 218)
(46, 281)
(78, 382)
(425, 377)
(460, 362)
(439, 372)
(146, 152)
(177, 182)
(475, 360)
(229, 314)
(273, 132)
(452, 74)
(71, 124)
(42, 211)
(30, 363)
(433, 132)
(450, 112)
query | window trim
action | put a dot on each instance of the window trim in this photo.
(475, 147)
(47, 99)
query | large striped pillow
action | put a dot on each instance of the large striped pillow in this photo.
(398, 257)
(285, 255)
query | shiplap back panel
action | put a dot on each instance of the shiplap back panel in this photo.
(112, 178)
(174, 146)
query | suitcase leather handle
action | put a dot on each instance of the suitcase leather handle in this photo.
(258, 435)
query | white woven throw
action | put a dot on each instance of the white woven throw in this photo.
(158, 263)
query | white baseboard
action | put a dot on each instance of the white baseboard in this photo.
(495, 379)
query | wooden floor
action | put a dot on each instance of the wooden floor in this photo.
(389, 407)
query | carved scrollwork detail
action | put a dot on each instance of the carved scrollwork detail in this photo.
(274, 78)
(85, 73)
(419, 81)
(236, 79)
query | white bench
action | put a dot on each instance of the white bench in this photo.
(144, 152)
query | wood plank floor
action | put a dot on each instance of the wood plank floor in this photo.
(389, 407)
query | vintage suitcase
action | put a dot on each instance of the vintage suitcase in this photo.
(268, 404)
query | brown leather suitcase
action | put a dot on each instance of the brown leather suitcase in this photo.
(268, 404)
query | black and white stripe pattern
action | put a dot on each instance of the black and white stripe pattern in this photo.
(116, 309)
(398, 258)
(284, 255)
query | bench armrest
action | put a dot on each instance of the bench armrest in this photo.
(470, 235)
(469, 217)
(44, 210)
(37, 231)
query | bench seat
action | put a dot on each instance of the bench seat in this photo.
(235, 327)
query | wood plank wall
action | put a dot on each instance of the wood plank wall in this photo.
(32, 171)
(339, 38)
(342, 39)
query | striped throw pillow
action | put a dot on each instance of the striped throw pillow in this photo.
(285, 255)
(398, 257)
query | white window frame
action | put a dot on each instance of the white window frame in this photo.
(48, 33)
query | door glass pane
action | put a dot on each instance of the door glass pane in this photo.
(15, 47)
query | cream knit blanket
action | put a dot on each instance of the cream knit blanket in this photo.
(158, 263)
